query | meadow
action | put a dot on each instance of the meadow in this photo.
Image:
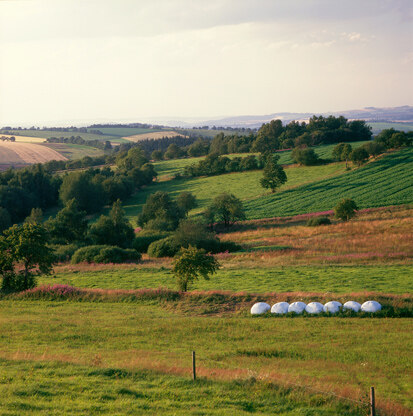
(121, 344)
(74, 151)
(54, 358)
(172, 167)
(124, 131)
(385, 181)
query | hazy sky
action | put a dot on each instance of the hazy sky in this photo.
(70, 60)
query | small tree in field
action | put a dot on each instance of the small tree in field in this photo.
(23, 255)
(273, 175)
(228, 209)
(190, 264)
(359, 156)
(345, 209)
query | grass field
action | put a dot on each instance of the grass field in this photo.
(209, 133)
(74, 151)
(49, 133)
(91, 390)
(386, 181)
(124, 131)
(54, 358)
(172, 167)
(328, 278)
(245, 185)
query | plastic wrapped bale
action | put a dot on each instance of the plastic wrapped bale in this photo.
(333, 306)
(297, 307)
(260, 308)
(314, 308)
(371, 306)
(280, 308)
(352, 306)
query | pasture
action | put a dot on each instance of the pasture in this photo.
(284, 255)
(53, 358)
(125, 131)
(74, 151)
(382, 182)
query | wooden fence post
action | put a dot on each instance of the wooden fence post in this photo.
(193, 366)
(372, 402)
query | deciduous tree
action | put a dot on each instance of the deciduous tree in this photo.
(192, 263)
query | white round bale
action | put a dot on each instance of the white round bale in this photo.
(332, 306)
(352, 305)
(280, 308)
(297, 307)
(314, 308)
(260, 308)
(371, 306)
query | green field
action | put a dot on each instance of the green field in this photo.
(74, 151)
(209, 133)
(172, 167)
(63, 389)
(49, 133)
(125, 131)
(396, 279)
(386, 181)
(104, 357)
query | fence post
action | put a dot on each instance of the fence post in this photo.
(372, 402)
(193, 366)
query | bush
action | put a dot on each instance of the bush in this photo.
(17, 282)
(163, 248)
(105, 254)
(141, 243)
(117, 255)
(315, 221)
(65, 252)
(305, 156)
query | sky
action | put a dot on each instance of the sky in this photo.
(79, 61)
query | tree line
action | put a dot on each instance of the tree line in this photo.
(98, 144)
(36, 187)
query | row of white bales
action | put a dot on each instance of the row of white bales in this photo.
(279, 308)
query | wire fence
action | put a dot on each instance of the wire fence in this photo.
(369, 406)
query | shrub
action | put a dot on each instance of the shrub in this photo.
(65, 252)
(105, 254)
(141, 243)
(315, 221)
(163, 248)
(117, 255)
(305, 156)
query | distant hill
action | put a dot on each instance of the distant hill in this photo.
(403, 114)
